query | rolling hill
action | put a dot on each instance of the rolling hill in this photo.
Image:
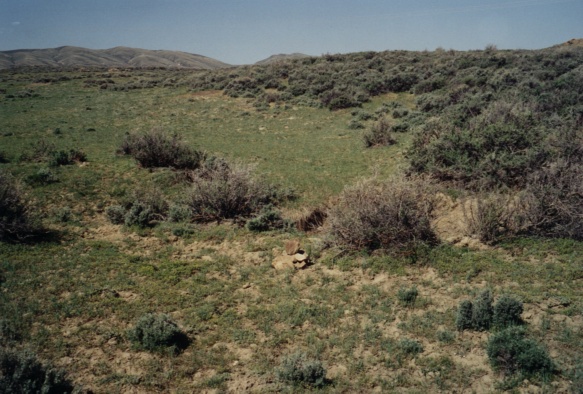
(281, 57)
(69, 56)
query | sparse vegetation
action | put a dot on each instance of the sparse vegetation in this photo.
(496, 132)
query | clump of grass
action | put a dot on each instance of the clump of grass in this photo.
(299, 370)
(21, 372)
(158, 149)
(157, 332)
(377, 214)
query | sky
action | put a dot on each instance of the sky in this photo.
(246, 31)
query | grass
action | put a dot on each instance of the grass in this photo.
(73, 297)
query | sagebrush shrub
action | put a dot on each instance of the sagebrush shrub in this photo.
(298, 369)
(16, 218)
(510, 352)
(220, 190)
(269, 218)
(410, 347)
(507, 311)
(21, 372)
(157, 332)
(408, 296)
(158, 149)
(115, 214)
(491, 217)
(380, 134)
(377, 214)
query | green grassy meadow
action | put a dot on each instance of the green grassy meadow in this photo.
(73, 296)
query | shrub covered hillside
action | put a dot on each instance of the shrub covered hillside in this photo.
(368, 222)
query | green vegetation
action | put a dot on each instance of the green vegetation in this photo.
(110, 264)
(298, 369)
(21, 372)
(157, 332)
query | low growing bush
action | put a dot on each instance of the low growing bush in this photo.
(16, 218)
(220, 190)
(380, 134)
(158, 149)
(482, 311)
(476, 315)
(510, 352)
(21, 372)
(297, 369)
(157, 332)
(377, 214)
(408, 296)
(507, 311)
(269, 218)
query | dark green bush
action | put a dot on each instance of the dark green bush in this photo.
(297, 369)
(116, 214)
(158, 149)
(22, 373)
(464, 315)
(4, 157)
(410, 347)
(17, 221)
(139, 215)
(482, 311)
(408, 296)
(157, 332)
(269, 218)
(507, 311)
(476, 315)
(510, 352)
(377, 214)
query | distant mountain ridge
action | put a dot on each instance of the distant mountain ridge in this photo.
(69, 56)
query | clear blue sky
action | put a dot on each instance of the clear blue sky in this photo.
(245, 31)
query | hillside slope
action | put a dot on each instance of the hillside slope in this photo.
(69, 56)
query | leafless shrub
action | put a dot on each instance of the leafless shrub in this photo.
(220, 190)
(376, 214)
(312, 219)
(553, 200)
(493, 216)
(380, 134)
